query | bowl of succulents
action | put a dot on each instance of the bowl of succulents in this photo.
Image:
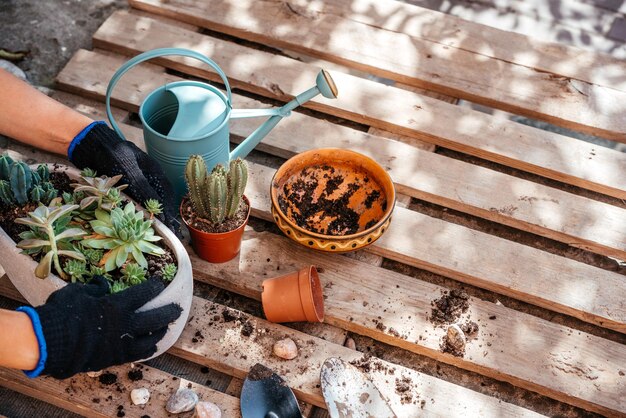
(59, 225)
(215, 210)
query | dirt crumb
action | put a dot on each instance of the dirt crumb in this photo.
(449, 307)
(107, 378)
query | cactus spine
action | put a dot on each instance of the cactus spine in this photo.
(237, 180)
(215, 196)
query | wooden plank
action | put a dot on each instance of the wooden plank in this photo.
(547, 280)
(561, 100)
(474, 24)
(88, 397)
(395, 110)
(225, 349)
(516, 347)
(519, 203)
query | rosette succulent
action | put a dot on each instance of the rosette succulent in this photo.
(125, 234)
(50, 235)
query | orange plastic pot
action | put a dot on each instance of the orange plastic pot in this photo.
(216, 247)
(294, 297)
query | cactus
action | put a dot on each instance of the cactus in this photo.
(44, 172)
(195, 176)
(215, 196)
(19, 184)
(21, 179)
(6, 195)
(237, 180)
(37, 193)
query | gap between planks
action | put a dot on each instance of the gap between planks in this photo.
(453, 71)
(575, 220)
(392, 109)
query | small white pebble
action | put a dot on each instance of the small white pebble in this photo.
(286, 349)
(456, 337)
(140, 396)
(207, 410)
(182, 400)
(94, 374)
(350, 343)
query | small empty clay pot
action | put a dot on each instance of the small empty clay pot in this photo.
(294, 297)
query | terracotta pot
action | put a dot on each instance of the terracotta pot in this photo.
(337, 174)
(216, 247)
(294, 297)
(20, 269)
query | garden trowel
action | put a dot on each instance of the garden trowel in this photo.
(266, 395)
(348, 393)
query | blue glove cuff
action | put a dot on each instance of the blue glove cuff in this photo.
(41, 341)
(81, 135)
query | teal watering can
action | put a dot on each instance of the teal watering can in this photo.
(190, 117)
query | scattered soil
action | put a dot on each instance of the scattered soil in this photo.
(260, 372)
(107, 378)
(449, 308)
(229, 315)
(247, 329)
(470, 329)
(328, 200)
(404, 388)
(205, 225)
(135, 375)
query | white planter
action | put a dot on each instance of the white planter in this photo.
(20, 268)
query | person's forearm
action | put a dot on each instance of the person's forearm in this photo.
(19, 348)
(30, 116)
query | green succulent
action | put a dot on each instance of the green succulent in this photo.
(92, 255)
(125, 234)
(98, 271)
(153, 207)
(118, 286)
(133, 274)
(49, 239)
(77, 270)
(169, 271)
(88, 172)
(100, 190)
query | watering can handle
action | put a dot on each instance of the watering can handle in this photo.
(155, 53)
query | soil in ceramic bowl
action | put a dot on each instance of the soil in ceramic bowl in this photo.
(332, 200)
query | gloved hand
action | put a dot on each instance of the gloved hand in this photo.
(87, 330)
(101, 149)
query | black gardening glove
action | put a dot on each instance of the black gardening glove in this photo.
(102, 150)
(85, 329)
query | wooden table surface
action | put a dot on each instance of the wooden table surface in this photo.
(506, 211)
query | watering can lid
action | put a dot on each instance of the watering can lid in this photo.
(200, 110)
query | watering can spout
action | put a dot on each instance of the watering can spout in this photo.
(324, 85)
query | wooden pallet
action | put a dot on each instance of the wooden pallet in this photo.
(579, 362)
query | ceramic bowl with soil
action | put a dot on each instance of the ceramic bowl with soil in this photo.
(20, 268)
(332, 199)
